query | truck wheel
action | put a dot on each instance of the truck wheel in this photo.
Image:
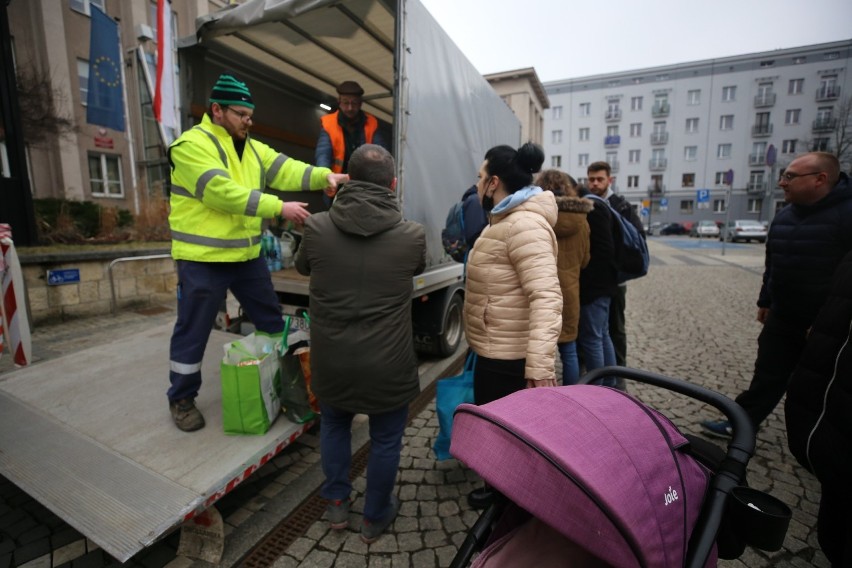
(448, 342)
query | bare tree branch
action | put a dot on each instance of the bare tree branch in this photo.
(39, 103)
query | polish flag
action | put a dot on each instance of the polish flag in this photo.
(164, 93)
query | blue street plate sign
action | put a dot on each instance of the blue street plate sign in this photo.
(664, 202)
(645, 211)
(703, 195)
(64, 276)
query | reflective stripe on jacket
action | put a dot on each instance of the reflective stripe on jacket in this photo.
(338, 141)
(217, 202)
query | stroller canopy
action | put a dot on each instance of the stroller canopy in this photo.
(595, 464)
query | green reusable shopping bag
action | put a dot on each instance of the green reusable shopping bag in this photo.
(251, 383)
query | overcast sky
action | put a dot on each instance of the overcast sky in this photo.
(565, 39)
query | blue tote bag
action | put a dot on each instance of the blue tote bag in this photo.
(450, 393)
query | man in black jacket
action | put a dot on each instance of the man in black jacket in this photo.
(819, 415)
(807, 240)
(361, 256)
(600, 180)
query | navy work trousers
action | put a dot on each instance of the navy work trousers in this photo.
(201, 289)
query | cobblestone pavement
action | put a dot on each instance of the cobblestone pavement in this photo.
(692, 317)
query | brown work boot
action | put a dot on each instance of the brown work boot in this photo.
(186, 416)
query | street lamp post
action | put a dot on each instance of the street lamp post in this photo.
(729, 181)
(771, 157)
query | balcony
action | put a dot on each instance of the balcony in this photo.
(612, 141)
(656, 189)
(757, 159)
(761, 130)
(764, 100)
(823, 124)
(613, 115)
(658, 138)
(756, 187)
(660, 110)
(657, 164)
(828, 93)
(613, 166)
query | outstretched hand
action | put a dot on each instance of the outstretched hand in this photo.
(295, 211)
(531, 383)
(334, 181)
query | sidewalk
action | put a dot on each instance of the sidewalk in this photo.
(692, 317)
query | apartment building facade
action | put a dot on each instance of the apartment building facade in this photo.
(676, 135)
(86, 162)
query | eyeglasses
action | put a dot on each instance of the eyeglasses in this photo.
(244, 116)
(788, 177)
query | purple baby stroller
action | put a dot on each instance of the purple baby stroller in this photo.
(610, 477)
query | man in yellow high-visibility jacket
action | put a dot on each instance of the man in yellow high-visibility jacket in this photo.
(217, 208)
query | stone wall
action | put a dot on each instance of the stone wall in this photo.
(140, 282)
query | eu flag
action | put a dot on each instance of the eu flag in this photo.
(105, 105)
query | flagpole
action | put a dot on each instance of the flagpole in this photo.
(128, 129)
(148, 83)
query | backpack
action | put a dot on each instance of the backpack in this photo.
(631, 250)
(453, 235)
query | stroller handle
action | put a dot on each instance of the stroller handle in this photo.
(730, 471)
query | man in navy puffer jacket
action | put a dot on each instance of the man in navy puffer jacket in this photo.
(807, 240)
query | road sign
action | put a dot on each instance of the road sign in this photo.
(703, 196)
(645, 211)
(771, 155)
(65, 276)
(664, 204)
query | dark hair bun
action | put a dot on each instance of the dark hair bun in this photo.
(530, 157)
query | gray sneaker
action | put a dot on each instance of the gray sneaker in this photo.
(337, 512)
(186, 416)
(371, 531)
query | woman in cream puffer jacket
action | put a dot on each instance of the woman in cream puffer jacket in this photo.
(513, 302)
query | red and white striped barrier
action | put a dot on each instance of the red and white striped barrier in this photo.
(15, 325)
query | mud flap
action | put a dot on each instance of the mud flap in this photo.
(203, 537)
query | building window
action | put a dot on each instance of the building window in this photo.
(84, 6)
(718, 206)
(636, 103)
(788, 147)
(796, 87)
(687, 206)
(633, 156)
(583, 160)
(693, 97)
(690, 153)
(691, 125)
(584, 134)
(724, 151)
(557, 112)
(726, 122)
(612, 130)
(632, 181)
(755, 205)
(636, 130)
(585, 109)
(105, 175)
(729, 94)
(688, 180)
(83, 78)
(720, 178)
(823, 114)
(820, 144)
(556, 161)
(792, 116)
(556, 137)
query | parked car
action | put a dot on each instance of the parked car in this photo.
(673, 229)
(704, 228)
(654, 229)
(744, 230)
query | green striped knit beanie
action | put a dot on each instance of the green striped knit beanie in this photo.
(228, 90)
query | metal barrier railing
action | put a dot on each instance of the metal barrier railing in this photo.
(112, 304)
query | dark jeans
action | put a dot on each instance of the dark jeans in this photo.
(617, 329)
(496, 378)
(779, 346)
(386, 430)
(201, 289)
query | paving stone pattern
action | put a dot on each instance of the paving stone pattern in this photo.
(692, 317)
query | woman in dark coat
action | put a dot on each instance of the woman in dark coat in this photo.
(819, 415)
